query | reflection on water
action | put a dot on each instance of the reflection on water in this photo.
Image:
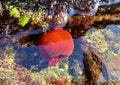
(108, 52)
(95, 56)
(30, 57)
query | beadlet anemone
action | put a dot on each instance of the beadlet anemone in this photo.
(55, 45)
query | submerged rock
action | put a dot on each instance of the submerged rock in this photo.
(92, 67)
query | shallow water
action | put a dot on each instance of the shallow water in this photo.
(110, 53)
(30, 58)
(22, 49)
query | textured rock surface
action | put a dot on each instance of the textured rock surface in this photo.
(92, 67)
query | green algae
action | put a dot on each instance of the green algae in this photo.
(35, 18)
(8, 55)
(23, 20)
(24, 12)
(13, 11)
(113, 40)
(110, 83)
(57, 72)
(105, 41)
(1, 9)
(97, 41)
(53, 71)
(9, 75)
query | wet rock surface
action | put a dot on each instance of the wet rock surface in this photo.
(92, 67)
(79, 24)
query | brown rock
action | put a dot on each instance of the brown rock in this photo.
(79, 24)
(92, 67)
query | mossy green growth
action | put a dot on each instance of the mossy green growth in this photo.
(23, 20)
(54, 71)
(113, 40)
(63, 64)
(13, 11)
(44, 24)
(26, 11)
(8, 75)
(45, 74)
(35, 18)
(96, 40)
(110, 83)
(8, 54)
(1, 9)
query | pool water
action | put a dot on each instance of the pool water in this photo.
(21, 60)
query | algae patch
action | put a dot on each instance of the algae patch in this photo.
(96, 40)
(56, 72)
(8, 75)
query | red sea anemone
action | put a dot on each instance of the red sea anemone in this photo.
(55, 45)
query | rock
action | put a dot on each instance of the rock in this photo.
(92, 67)
(79, 24)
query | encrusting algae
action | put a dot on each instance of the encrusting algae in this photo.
(18, 16)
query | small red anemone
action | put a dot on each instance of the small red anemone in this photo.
(55, 45)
